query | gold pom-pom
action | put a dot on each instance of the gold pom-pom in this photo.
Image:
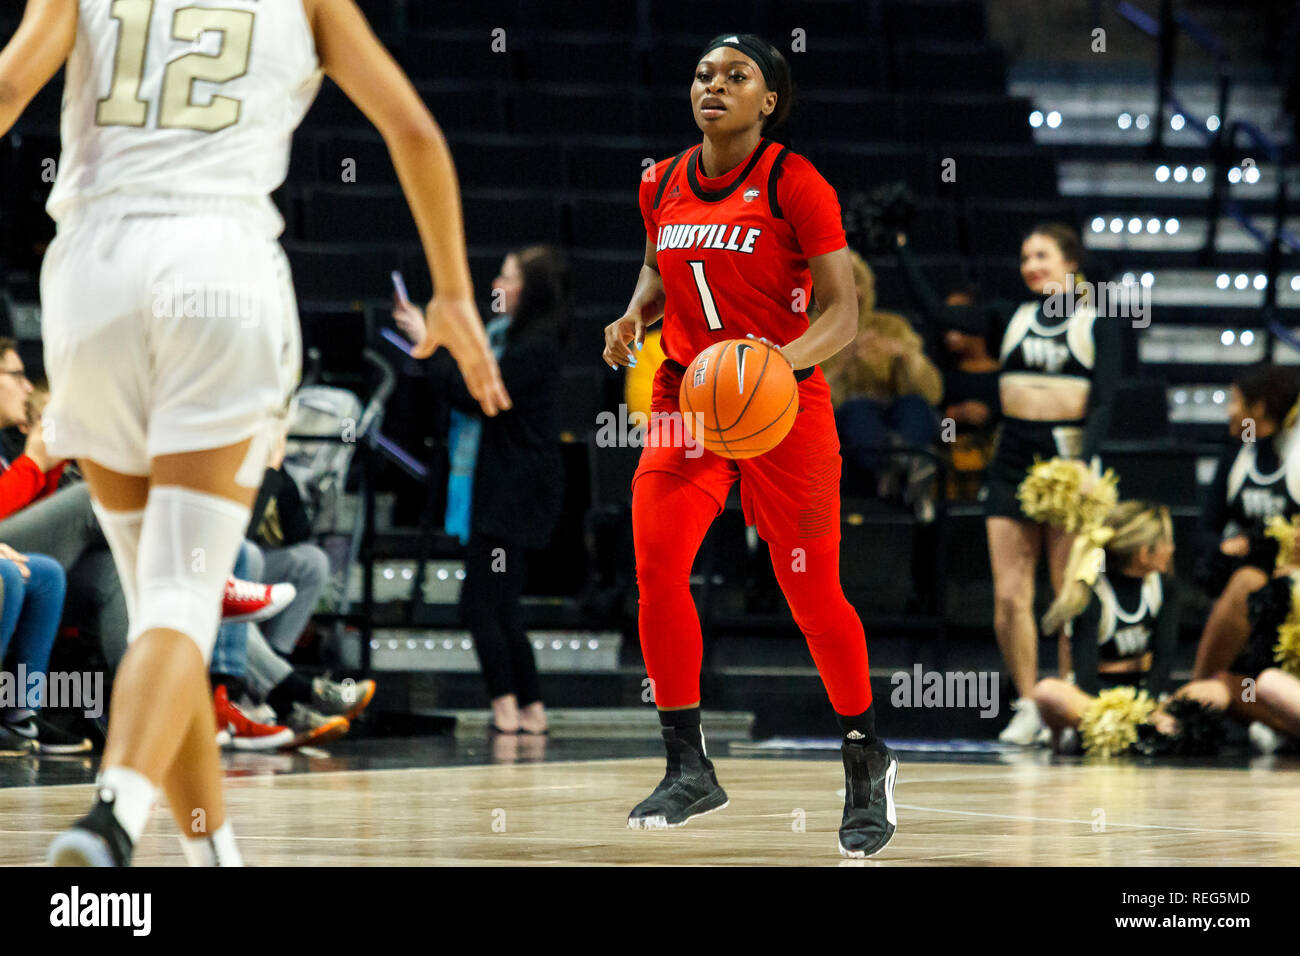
(1109, 723)
(1061, 493)
(1284, 533)
(1287, 649)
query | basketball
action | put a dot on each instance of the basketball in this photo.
(739, 398)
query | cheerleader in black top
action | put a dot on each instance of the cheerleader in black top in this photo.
(1253, 484)
(1121, 612)
(1060, 365)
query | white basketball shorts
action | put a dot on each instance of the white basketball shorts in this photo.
(166, 333)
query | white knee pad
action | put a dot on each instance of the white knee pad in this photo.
(121, 530)
(188, 545)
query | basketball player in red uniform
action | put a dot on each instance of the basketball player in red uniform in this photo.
(739, 232)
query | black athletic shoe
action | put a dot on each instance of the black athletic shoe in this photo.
(48, 738)
(689, 789)
(97, 839)
(14, 744)
(869, 816)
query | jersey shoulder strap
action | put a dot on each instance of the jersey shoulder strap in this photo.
(668, 174)
(773, 175)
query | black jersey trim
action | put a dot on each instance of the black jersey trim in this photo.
(717, 195)
(668, 174)
(771, 182)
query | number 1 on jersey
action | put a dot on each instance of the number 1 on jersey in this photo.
(706, 294)
(177, 110)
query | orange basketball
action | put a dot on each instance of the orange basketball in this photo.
(739, 398)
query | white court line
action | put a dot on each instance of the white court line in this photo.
(1089, 823)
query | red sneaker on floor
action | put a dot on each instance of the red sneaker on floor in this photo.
(252, 602)
(235, 729)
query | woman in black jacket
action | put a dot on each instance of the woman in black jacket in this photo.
(506, 483)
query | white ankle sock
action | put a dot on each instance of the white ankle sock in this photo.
(133, 798)
(219, 849)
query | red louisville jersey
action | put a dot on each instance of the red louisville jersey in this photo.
(733, 250)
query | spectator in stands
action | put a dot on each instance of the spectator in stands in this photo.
(1060, 365)
(1118, 595)
(970, 394)
(281, 706)
(34, 587)
(505, 490)
(31, 475)
(884, 390)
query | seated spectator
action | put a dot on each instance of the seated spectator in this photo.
(34, 587)
(281, 706)
(970, 397)
(884, 389)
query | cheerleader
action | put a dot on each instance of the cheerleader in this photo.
(1060, 366)
(1253, 483)
(1120, 611)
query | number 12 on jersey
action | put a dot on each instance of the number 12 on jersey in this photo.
(176, 108)
(706, 294)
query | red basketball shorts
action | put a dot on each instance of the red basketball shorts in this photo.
(790, 494)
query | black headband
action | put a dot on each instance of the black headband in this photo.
(754, 47)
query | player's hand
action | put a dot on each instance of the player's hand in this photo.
(409, 319)
(776, 348)
(620, 337)
(16, 558)
(455, 325)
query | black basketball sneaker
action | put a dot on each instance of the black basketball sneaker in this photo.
(97, 839)
(689, 789)
(869, 815)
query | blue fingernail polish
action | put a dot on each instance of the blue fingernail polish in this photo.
(631, 362)
(638, 346)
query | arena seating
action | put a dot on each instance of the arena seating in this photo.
(550, 135)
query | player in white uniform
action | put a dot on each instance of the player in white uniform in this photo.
(171, 333)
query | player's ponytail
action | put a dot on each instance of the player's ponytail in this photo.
(1127, 529)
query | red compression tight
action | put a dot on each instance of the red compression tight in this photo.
(670, 517)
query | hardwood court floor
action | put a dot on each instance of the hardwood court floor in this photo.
(573, 813)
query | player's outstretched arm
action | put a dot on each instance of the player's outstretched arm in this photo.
(41, 45)
(354, 58)
(837, 326)
(646, 308)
